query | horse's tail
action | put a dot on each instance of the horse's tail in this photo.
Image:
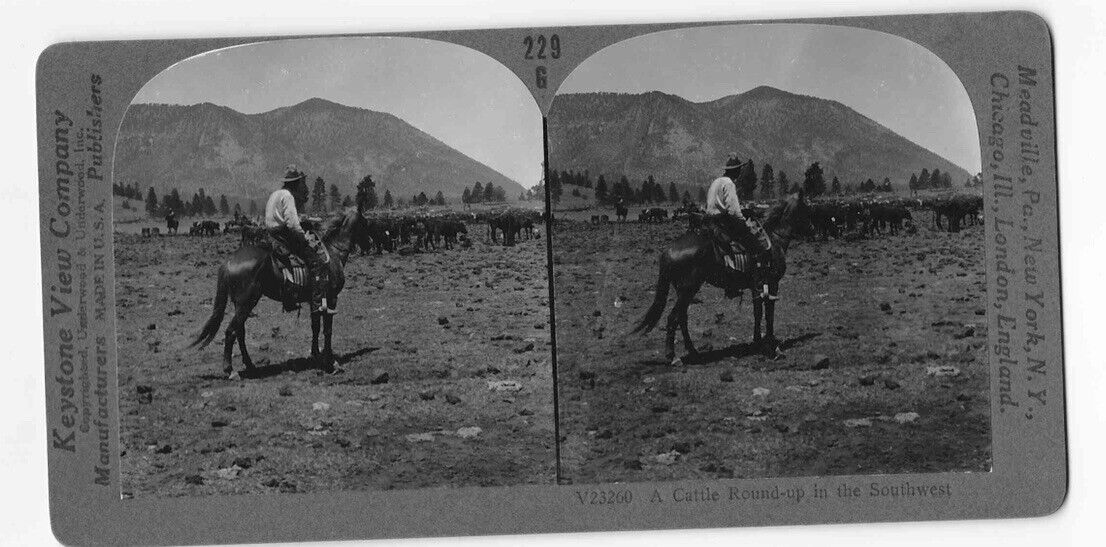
(660, 299)
(211, 328)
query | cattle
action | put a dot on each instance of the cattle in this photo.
(508, 223)
(204, 228)
(653, 215)
(955, 209)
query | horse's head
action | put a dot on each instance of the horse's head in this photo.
(794, 213)
(801, 215)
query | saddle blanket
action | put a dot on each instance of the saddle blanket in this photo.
(738, 263)
(296, 275)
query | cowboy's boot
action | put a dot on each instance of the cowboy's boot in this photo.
(318, 290)
(733, 286)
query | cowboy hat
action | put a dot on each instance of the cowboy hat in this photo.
(292, 175)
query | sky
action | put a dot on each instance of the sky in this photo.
(459, 96)
(894, 81)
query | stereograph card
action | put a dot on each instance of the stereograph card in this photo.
(705, 274)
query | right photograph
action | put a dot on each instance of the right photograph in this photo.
(767, 258)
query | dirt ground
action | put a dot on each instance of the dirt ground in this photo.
(448, 379)
(884, 369)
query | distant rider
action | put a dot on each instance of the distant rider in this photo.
(724, 210)
(282, 221)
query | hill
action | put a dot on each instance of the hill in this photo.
(243, 155)
(678, 140)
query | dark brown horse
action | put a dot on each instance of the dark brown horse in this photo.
(690, 261)
(252, 272)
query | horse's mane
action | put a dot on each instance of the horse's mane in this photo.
(332, 227)
(776, 215)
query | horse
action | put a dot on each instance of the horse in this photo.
(252, 272)
(689, 261)
(620, 212)
(171, 224)
(506, 222)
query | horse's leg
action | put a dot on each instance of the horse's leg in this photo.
(758, 310)
(678, 316)
(235, 330)
(228, 347)
(771, 345)
(328, 351)
(315, 321)
(247, 308)
(688, 346)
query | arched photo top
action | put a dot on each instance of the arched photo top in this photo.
(891, 81)
(418, 115)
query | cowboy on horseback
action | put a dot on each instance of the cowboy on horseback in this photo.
(282, 222)
(745, 235)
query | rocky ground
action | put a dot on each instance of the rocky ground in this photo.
(884, 369)
(448, 378)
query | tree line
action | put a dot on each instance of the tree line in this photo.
(489, 193)
(767, 185)
(201, 203)
(323, 199)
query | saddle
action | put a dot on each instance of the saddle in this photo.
(733, 254)
(291, 266)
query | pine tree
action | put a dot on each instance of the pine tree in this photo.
(913, 184)
(478, 193)
(318, 195)
(784, 184)
(439, 199)
(388, 201)
(335, 197)
(747, 181)
(767, 181)
(673, 193)
(151, 202)
(466, 196)
(601, 190)
(224, 206)
(209, 206)
(175, 202)
(935, 179)
(489, 193)
(814, 181)
(835, 186)
(366, 193)
(923, 179)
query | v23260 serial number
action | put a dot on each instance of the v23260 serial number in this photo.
(604, 497)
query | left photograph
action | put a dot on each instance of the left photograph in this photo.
(331, 273)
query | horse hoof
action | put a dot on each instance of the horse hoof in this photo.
(234, 376)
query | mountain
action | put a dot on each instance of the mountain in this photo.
(678, 140)
(244, 155)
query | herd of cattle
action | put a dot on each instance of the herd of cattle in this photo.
(401, 232)
(858, 218)
(395, 232)
(427, 232)
(832, 218)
